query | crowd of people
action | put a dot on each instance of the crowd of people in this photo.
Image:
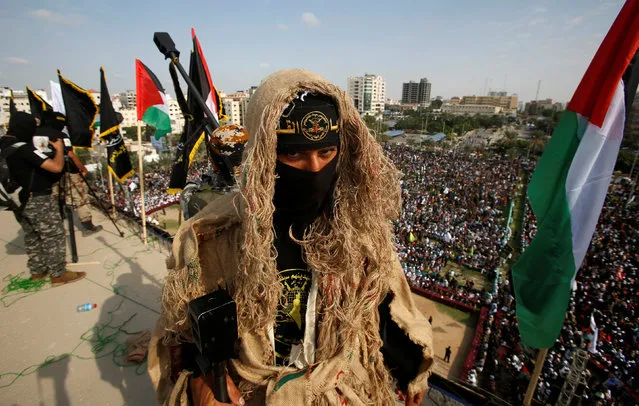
(529, 228)
(607, 292)
(454, 210)
(454, 207)
(156, 183)
(605, 297)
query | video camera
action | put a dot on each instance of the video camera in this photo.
(51, 125)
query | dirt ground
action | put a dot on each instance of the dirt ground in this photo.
(464, 274)
(168, 218)
(450, 327)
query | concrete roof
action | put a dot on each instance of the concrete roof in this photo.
(394, 133)
(437, 137)
(44, 325)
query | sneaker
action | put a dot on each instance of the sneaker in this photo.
(38, 276)
(67, 277)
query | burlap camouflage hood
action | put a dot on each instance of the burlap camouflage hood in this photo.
(366, 195)
(351, 249)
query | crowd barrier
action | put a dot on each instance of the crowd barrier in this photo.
(471, 358)
(438, 297)
(163, 206)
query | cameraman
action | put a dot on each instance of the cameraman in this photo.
(39, 217)
(75, 190)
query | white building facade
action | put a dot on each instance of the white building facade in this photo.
(235, 105)
(368, 93)
(20, 99)
(471, 109)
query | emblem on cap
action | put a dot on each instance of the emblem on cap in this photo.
(315, 125)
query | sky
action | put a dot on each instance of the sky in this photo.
(463, 47)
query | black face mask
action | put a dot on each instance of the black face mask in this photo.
(301, 195)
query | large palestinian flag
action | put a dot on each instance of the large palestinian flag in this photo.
(151, 100)
(569, 186)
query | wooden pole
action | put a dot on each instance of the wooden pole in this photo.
(532, 386)
(141, 174)
(179, 214)
(111, 192)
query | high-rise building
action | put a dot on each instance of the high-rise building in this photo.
(368, 93)
(175, 114)
(128, 99)
(416, 93)
(235, 105)
(251, 91)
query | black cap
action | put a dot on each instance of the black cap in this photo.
(54, 120)
(309, 122)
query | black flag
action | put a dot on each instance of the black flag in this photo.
(12, 105)
(117, 154)
(37, 103)
(81, 112)
(193, 132)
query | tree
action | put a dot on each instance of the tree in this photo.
(132, 133)
(436, 104)
(370, 122)
(129, 132)
(538, 145)
(382, 138)
(374, 124)
(625, 159)
(147, 133)
(83, 154)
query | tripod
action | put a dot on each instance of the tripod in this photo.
(67, 210)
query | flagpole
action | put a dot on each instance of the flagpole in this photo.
(539, 365)
(141, 174)
(111, 193)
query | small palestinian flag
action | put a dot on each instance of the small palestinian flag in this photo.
(151, 100)
(204, 82)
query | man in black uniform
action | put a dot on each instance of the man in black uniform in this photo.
(40, 219)
(76, 191)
